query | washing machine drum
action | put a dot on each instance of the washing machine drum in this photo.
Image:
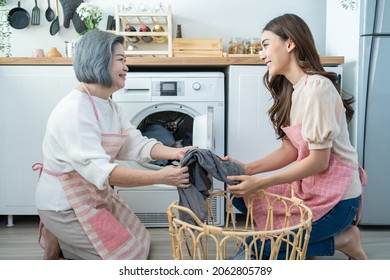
(172, 128)
(160, 133)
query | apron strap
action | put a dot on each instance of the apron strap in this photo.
(90, 99)
(39, 167)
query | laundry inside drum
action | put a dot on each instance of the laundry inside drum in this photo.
(173, 129)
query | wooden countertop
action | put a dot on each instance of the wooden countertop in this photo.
(153, 62)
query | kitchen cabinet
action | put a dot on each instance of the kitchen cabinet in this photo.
(29, 94)
(250, 134)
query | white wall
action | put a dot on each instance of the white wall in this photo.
(342, 38)
(199, 19)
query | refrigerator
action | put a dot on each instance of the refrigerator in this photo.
(373, 111)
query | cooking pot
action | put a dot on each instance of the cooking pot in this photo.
(18, 17)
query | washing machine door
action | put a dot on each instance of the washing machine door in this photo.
(203, 130)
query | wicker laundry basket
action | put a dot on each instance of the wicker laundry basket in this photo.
(203, 240)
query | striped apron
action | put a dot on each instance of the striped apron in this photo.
(111, 226)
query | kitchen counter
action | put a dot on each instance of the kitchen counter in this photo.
(166, 62)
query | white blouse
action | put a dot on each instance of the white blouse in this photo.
(73, 142)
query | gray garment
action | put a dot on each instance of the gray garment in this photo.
(201, 163)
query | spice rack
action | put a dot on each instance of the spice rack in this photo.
(136, 20)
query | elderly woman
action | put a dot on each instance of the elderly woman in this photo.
(81, 216)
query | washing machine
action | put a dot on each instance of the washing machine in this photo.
(187, 108)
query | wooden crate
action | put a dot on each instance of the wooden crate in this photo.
(196, 47)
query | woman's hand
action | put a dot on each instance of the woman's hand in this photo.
(175, 176)
(248, 184)
(229, 158)
(181, 151)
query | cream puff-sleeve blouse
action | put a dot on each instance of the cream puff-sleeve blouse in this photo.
(318, 106)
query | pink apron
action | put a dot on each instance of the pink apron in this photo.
(111, 226)
(320, 192)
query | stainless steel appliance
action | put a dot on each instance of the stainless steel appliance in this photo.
(373, 109)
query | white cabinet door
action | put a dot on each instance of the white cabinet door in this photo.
(250, 134)
(29, 94)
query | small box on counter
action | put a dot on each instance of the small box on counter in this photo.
(197, 47)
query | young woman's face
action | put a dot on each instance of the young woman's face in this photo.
(118, 67)
(275, 53)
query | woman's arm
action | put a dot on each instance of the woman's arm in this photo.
(280, 158)
(316, 162)
(175, 176)
(161, 152)
(128, 177)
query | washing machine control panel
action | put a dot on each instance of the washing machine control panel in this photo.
(167, 88)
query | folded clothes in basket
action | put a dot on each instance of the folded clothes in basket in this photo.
(201, 163)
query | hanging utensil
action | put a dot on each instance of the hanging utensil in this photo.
(55, 24)
(50, 15)
(18, 17)
(35, 15)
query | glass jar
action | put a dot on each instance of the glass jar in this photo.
(236, 46)
(254, 46)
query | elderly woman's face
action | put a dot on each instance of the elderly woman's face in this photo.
(118, 67)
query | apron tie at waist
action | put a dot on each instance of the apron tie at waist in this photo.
(39, 166)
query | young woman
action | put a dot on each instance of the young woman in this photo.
(310, 117)
(81, 214)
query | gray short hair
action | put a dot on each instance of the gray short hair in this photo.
(93, 56)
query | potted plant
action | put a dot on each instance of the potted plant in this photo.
(5, 30)
(90, 14)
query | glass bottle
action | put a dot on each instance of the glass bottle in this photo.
(145, 9)
(178, 31)
(159, 9)
(145, 28)
(129, 28)
(129, 8)
(159, 39)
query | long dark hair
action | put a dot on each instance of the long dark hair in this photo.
(290, 26)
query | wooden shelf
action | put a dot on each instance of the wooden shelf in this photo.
(153, 62)
(164, 19)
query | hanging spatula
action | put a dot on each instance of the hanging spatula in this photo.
(55, 24)
(36, 15)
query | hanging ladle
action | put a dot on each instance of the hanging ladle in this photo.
(55, 24)
(49, 12)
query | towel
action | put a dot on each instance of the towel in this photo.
(202, 163)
